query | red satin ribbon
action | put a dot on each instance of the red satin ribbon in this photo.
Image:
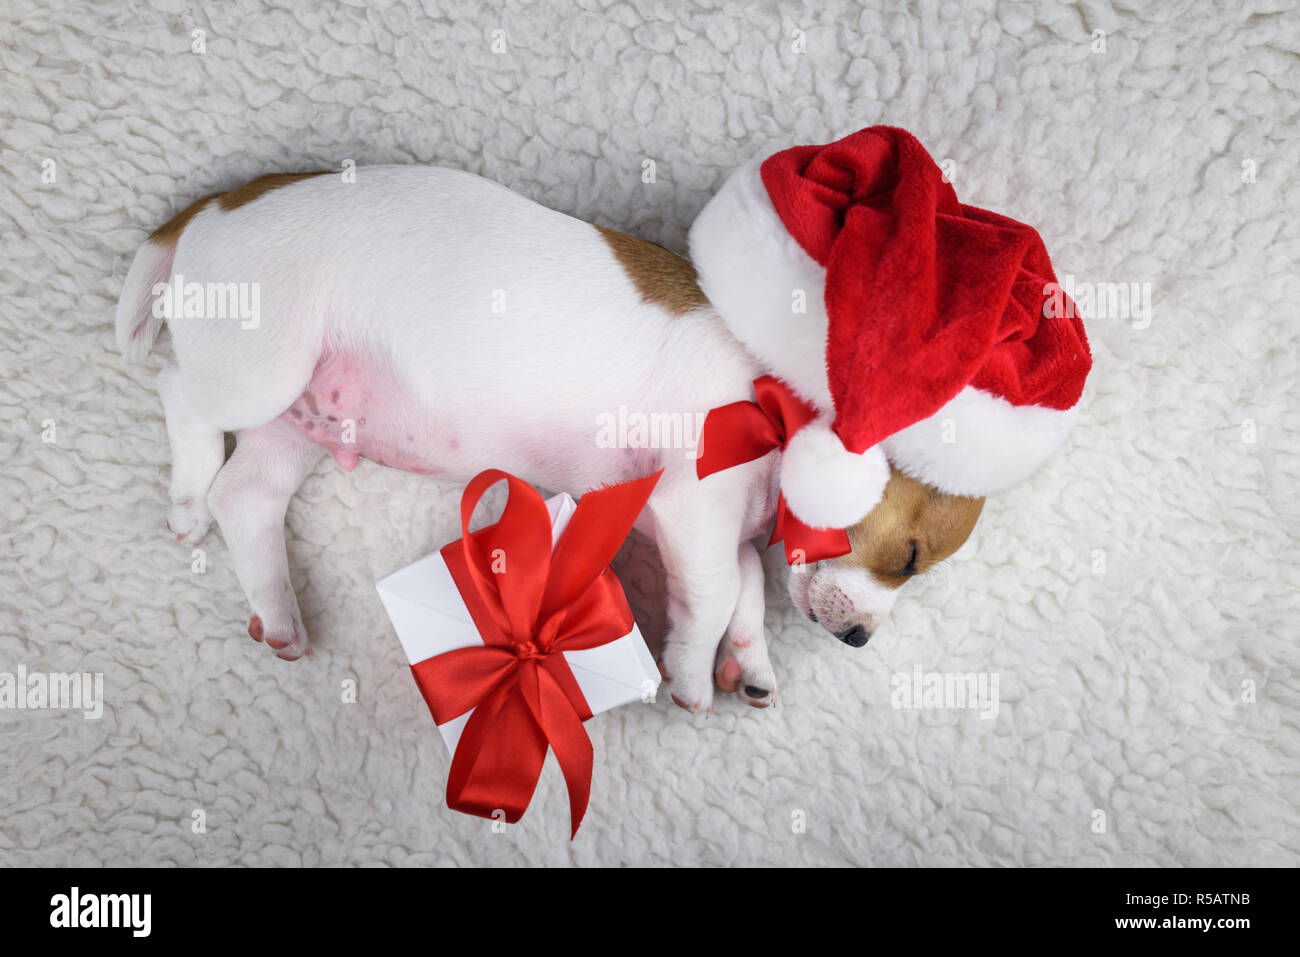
(530, 604)
(744, 431)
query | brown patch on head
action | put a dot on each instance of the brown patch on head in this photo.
(170, 232)
(661, 276)
(910, 513)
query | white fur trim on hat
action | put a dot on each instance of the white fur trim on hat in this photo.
(758, 278)
(979, 443)
(826, 485)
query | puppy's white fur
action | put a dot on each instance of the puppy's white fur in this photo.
(407, 264)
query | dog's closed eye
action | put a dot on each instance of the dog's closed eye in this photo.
(908, 570)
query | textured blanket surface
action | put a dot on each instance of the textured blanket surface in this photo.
(1136, 602)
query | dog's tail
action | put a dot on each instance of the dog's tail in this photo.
(138, 321)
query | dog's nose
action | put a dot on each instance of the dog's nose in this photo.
(854, 637)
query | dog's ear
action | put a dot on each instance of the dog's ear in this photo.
(954, 519)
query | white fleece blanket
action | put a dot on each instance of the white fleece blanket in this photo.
(1136, 601)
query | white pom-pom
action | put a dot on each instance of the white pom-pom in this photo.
(826, 485)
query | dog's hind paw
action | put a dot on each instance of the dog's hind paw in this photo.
(288, 641)
(188, 520)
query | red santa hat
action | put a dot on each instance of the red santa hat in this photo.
(931, 334)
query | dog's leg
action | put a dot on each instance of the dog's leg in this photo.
(198, 449)
(742, 664)
(249, 499)
(697, 539)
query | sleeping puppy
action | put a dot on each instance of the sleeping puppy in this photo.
(436, 322)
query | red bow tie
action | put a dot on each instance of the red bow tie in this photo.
(744, 431)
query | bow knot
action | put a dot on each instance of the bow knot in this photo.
(528, 650)
(744, 431)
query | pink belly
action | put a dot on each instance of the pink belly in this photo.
(355, 408)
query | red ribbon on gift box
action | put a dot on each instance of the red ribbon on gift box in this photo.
(530, 604)
(744, 431)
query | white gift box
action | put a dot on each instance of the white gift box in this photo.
(430, 618)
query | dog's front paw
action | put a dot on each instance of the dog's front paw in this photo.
(743, 669)
(188, 520)
(690, 677)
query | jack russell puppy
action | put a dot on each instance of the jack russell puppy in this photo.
(433, 321)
